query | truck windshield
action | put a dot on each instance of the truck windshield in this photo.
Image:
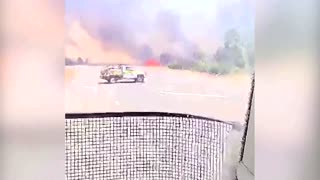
(165, 56)
(176, 67)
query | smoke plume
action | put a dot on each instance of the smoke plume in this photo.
(133, 31)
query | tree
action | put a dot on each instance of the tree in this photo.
(250, 52)
(233, 54)
(80, 60)
(232, 38)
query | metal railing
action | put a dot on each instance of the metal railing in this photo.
(144, 145)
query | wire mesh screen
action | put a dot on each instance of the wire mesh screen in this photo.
(144, 147)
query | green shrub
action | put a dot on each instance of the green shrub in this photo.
(175, 66)
(214, 68)
(201, 66)
(225, 68)
(209, 67)
(237, 70)
(218, 68)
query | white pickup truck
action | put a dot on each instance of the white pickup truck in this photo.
(116, 73)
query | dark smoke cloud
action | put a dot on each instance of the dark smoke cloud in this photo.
(140, 28)
(169, 23)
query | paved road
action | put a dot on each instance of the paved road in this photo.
(165, 90)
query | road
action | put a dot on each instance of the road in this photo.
(165, 90)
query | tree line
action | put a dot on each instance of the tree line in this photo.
(235, 55)
(78, 61)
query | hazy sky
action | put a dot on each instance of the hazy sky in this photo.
(162, 25)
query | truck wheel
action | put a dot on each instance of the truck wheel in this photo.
(140, 78)
(112, 80)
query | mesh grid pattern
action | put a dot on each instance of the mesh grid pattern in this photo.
(103, 148)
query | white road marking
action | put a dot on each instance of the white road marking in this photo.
(193, 94)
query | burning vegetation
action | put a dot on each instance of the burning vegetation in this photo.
(104, 35)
